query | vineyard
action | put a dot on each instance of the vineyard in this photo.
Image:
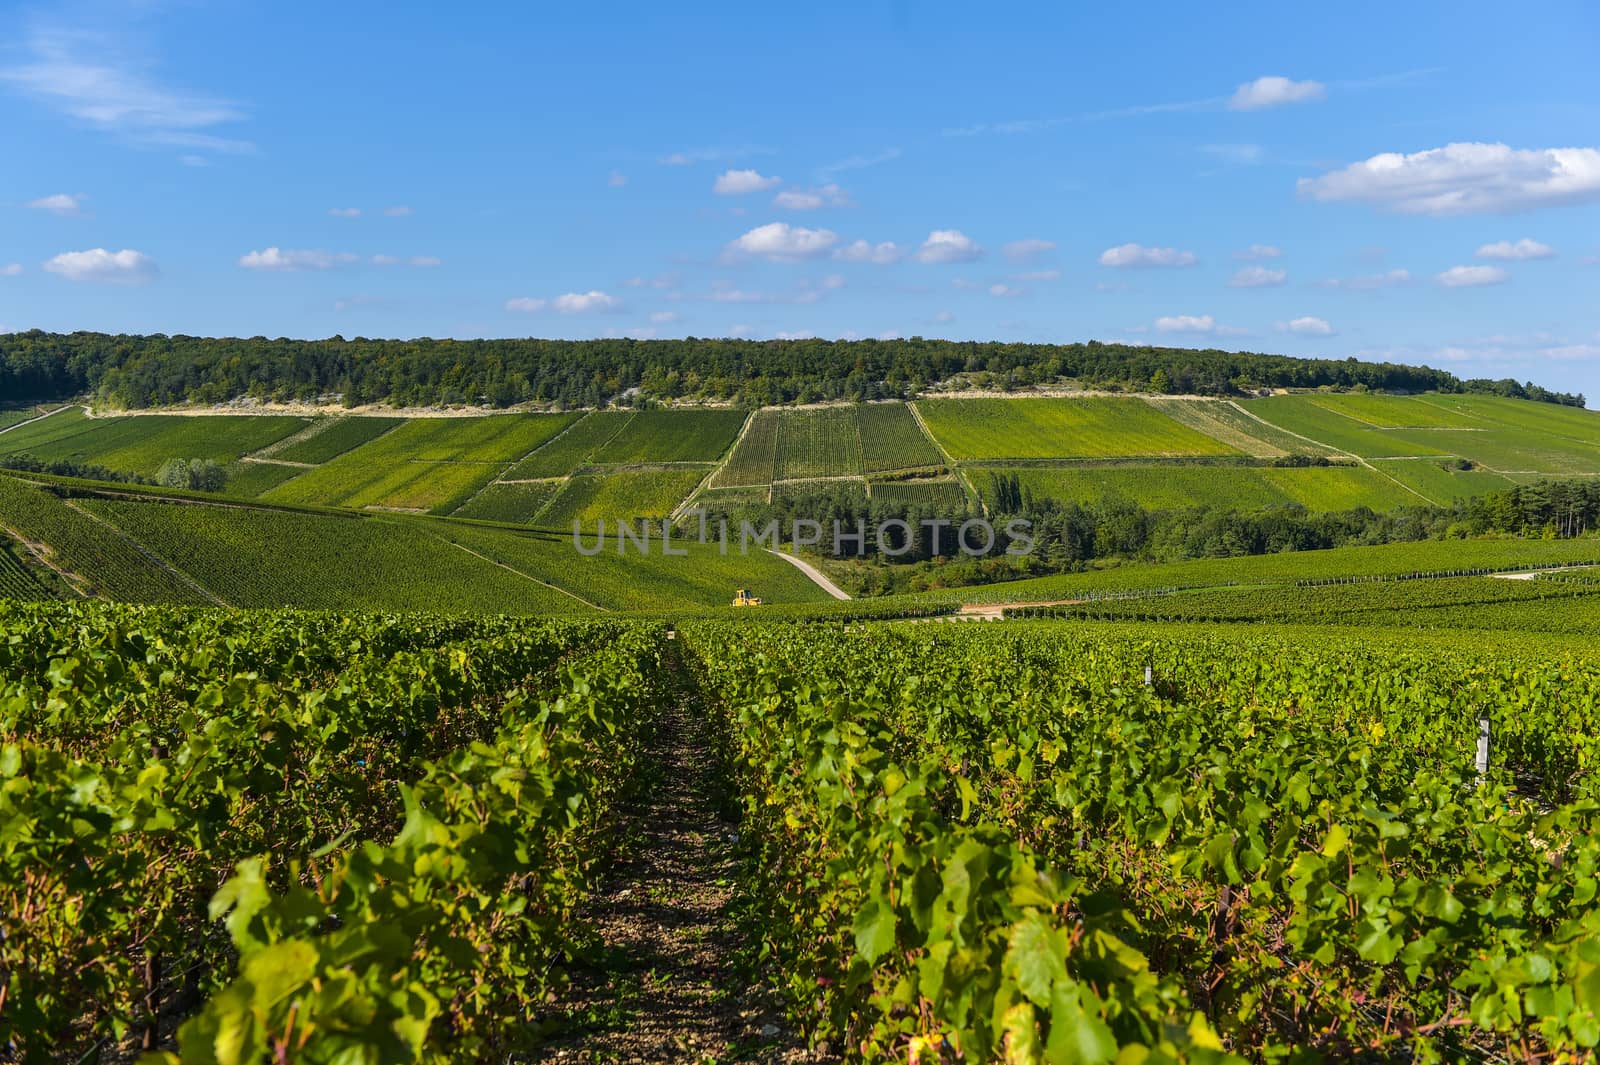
(259, 836)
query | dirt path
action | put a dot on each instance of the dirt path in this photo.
(818, 578)
(669, 987)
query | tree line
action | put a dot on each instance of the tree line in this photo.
(1070, 535)
(134, 371)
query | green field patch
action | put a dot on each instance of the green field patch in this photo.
(335, 437)
(1393, 412)
(1153, 487)
(851, 488)
(72, 540)
(705, 576)
(1303, 415)
(1091, 427)
(249, 480)
(1442, 486)
(251, 557)
(672, 436)
(426, 464)
(141, 443)
(891, 439)
(573, 447)
(1222, 421)
(1324, 488)
(755, 456)
(515, 502)
(818, 443)
(946, 497)
(619, 495)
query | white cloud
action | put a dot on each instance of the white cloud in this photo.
(890, 334)
(399, 210)
(664, 317)
(1370, 282)
(1257, 252)
(833, 281)
(275, 258)
(1522, 249)
(1275, 92)
(63, 204)
(1308, 326)
(944, 316)
(526, 304)
(1026, 251)
(1257, 277)
(10, 269)
(97, 264)
(948, 246)
(405, 260)
(829, 195)
(780, 241)
(1464, 179)
(617, 179)
(585, 302)
(1002, 291)
(862, 251)
(1125, 255)
(345, 212)
(1472, 276)
(742, 182)
(798, 334)
(92, 78)
(1186, 323)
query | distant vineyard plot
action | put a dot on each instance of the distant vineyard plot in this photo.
(335, 437)
(672, 436)
(571, 448)
(1507, 436)
(141, 443)
(829, 442)
(1317, 488)
(1091, 427)
(619, 495)
(423, 465)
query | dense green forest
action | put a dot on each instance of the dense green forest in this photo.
(145, 371)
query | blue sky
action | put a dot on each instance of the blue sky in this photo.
(1419, 182)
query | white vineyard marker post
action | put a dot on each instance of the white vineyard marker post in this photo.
(1482, 760)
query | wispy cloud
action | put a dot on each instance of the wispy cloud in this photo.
(94, 78)
(691, 156)
(858, 162)
(61, 203)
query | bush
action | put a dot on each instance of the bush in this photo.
(202, 475)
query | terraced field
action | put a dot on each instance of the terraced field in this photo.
(426, 464)
(946, 497)
(755, 458)
(515, 502)
(671, 436)
(1317, 488)
(334, 437)
(891, 439)
(141, 443)
(96, 559)
(614, 495)
(1089, 428)
(573, 447)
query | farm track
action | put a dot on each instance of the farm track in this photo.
(667, 984)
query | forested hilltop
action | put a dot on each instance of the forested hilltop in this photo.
(146, 371)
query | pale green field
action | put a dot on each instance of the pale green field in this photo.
(141, 443)
(619, 495)
(1091, 427)
(1317, 488)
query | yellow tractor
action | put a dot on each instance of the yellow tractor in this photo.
(742, 597)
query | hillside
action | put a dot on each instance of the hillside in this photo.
(549, 469)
